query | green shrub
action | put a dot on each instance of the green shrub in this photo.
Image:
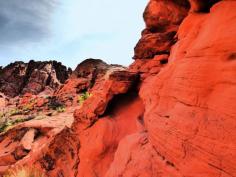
(18, 120)
(5, 126)
(60, 109)
(28, 107)
(15, 111)
(9, 123)
(83, 96)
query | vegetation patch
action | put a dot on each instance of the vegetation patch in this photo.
(60, 109)
(15, 111)
(5, 126)
(28, 107)
(83, 96)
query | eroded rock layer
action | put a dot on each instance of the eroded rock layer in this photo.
(190, 109)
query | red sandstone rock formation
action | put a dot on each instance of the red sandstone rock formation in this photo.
(162, 21)
(33, 77)
(171, 113)
(82, 79)
(190, 115)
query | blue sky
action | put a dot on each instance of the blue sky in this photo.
(70, 31)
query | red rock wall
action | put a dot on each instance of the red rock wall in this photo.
(189, 125)
(162, 20)
(190, 105)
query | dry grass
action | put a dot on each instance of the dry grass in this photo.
(24, 172)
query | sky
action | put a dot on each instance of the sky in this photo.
(70, 30)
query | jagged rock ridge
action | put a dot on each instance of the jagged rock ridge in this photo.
(33, 77)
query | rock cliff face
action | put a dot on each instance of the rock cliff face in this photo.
(33, 77)
(171, 113)
(161, 27)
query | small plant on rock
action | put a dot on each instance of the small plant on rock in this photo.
(60, 109)
(5, 126)
(28, 107)
(15, 111)
(83, 96)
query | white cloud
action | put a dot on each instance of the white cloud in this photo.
(93, 28)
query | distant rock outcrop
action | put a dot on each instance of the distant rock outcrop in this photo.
(33, 77)
(84, 77)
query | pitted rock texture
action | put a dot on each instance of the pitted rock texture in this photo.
(146, 68)
(33, 77)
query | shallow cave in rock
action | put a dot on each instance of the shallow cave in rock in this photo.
(202, 5)
(119, 101)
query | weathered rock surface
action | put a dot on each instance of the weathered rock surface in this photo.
(40, 143)
(84, 77)
(100, 141)
(33, 77)
(171, 113)
(190, 105)
(116, 82)
(81, 80)
(162, 21)
(146, 68)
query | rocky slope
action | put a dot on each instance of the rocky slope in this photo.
(171, 113)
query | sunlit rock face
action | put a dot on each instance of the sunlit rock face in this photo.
(189, 101)
(170, 113)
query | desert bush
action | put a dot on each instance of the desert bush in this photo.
(83, 96)
(28, 107)
(60, 109)
(5, 126)
(15, 111)
(9, 123)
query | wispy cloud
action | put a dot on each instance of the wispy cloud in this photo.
(70, 30)
(25, 21)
